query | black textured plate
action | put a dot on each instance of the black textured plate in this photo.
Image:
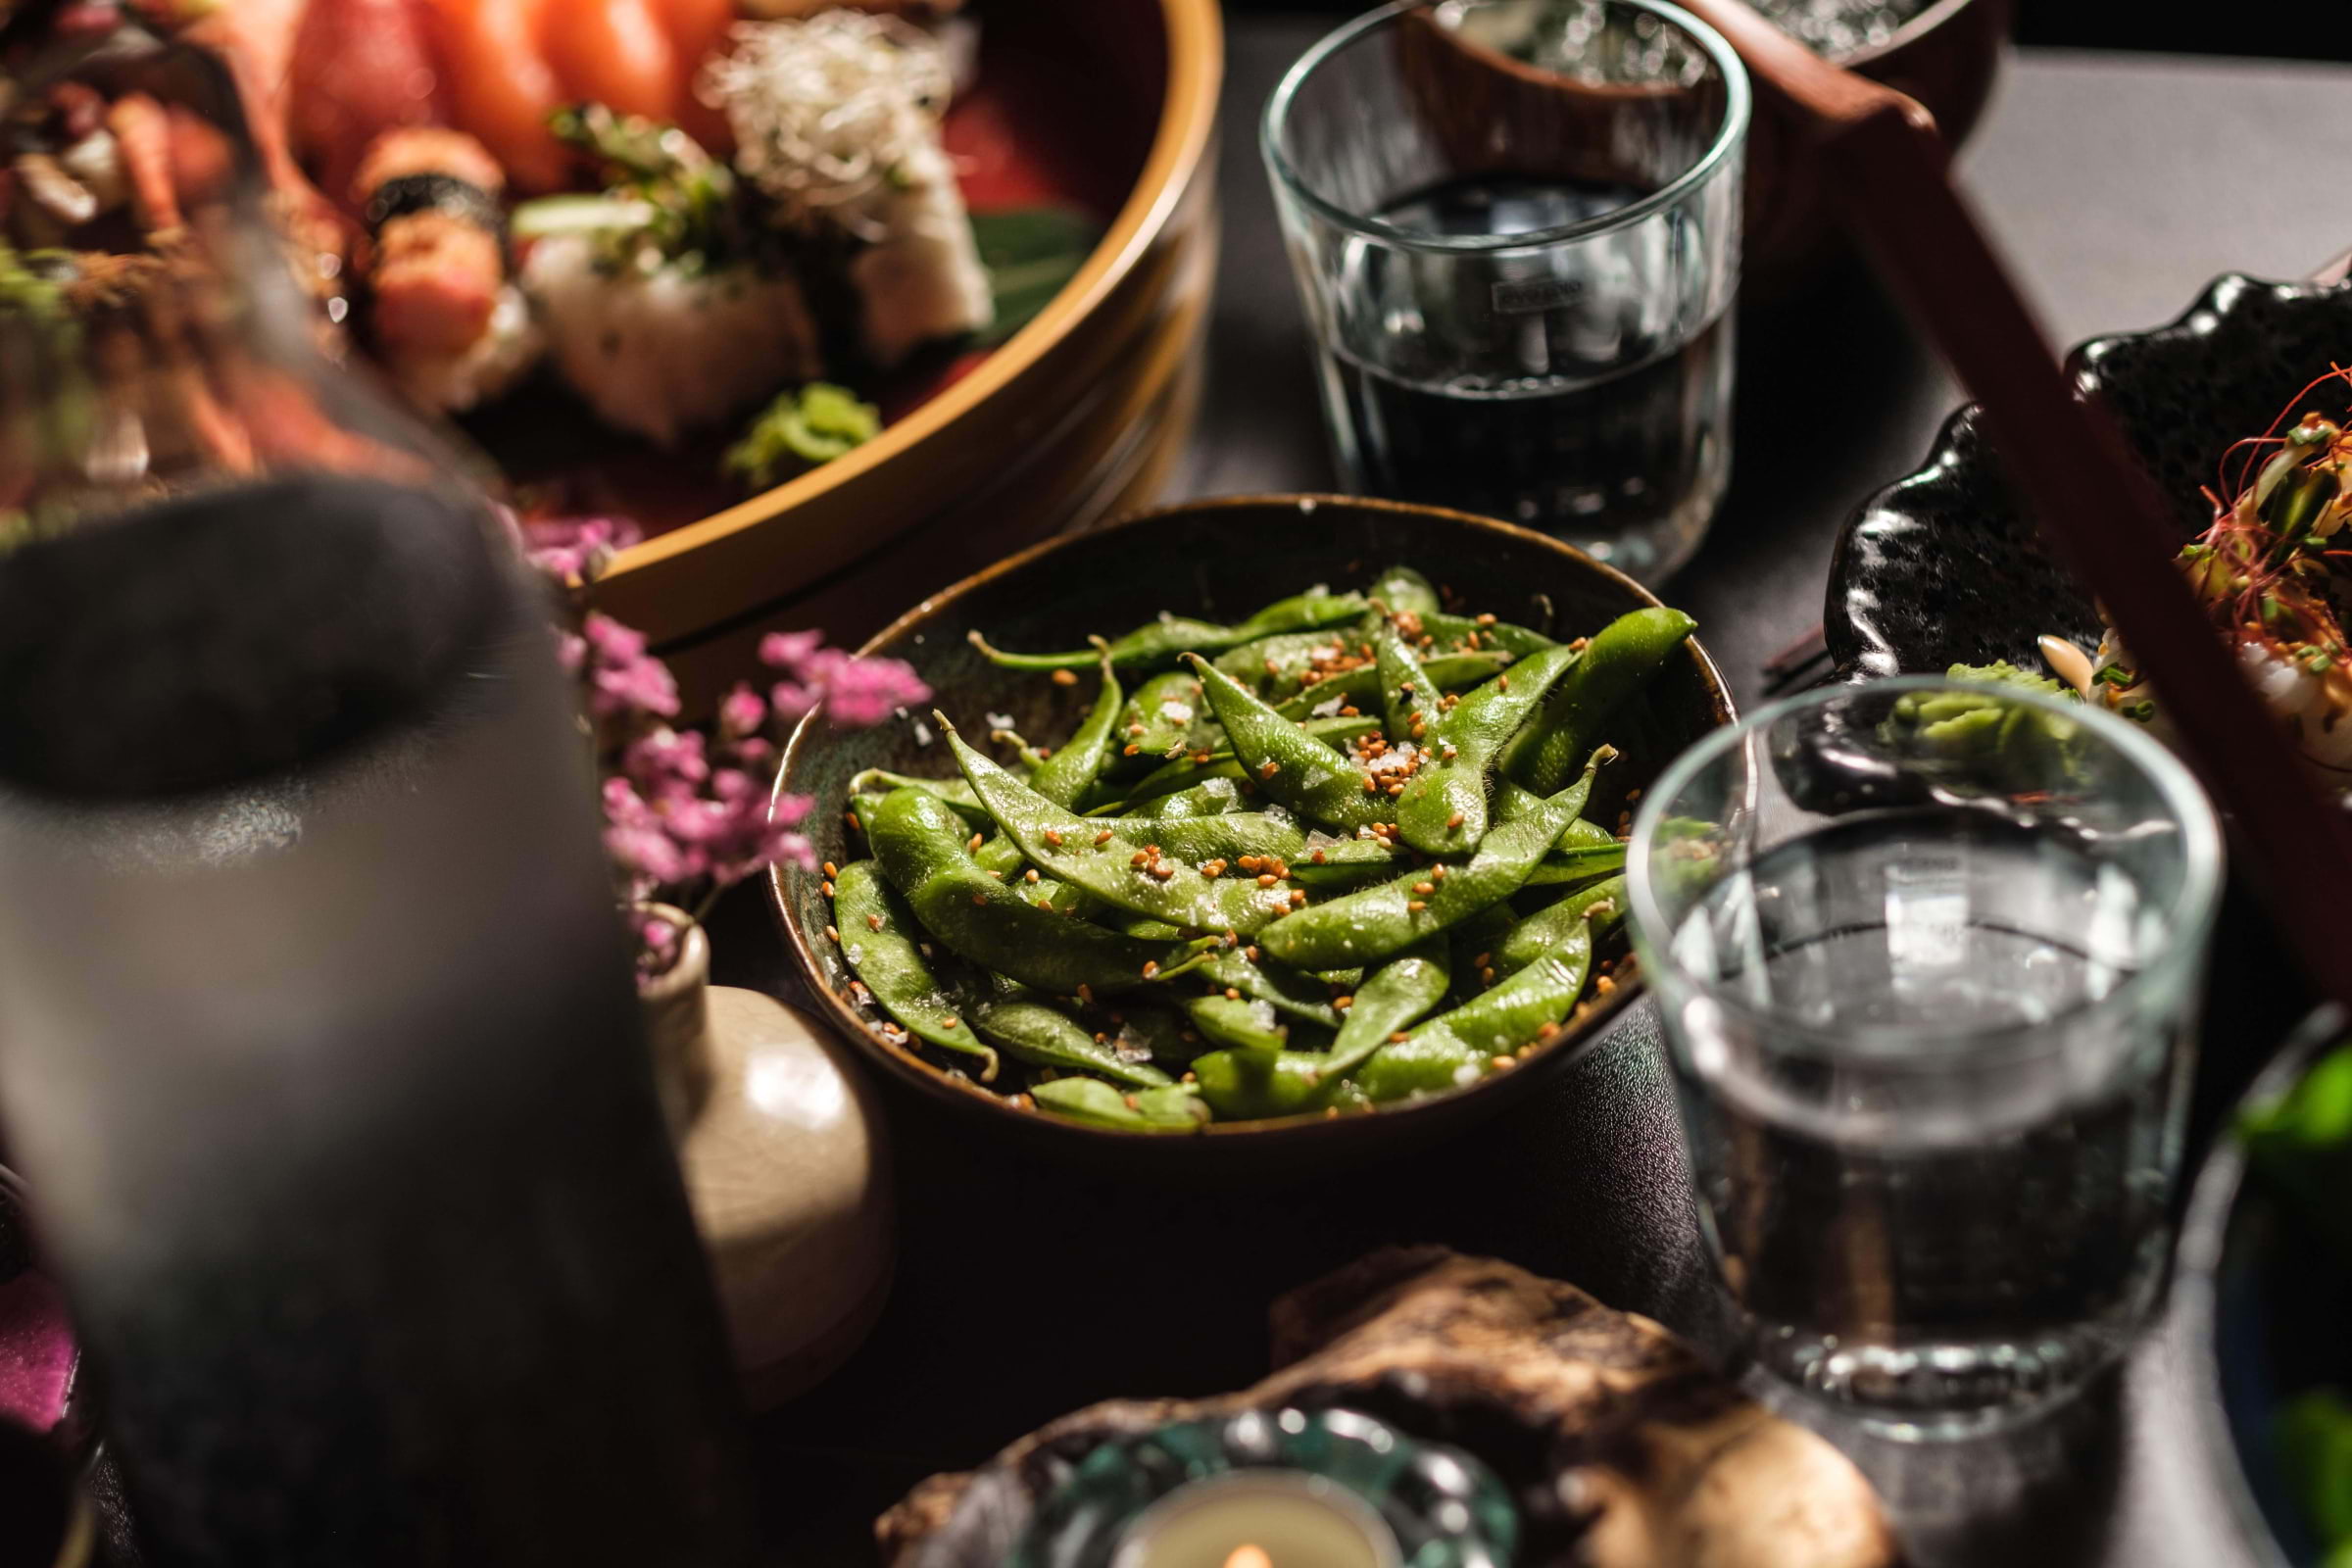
(1944, 567)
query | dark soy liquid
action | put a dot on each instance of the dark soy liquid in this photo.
(1620, 439)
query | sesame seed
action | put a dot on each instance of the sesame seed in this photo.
(1139, 858)
(1298, 897)
(1331, 1113)
(1319, 857)
(979, 900)
(1416, 907)
(1151, 967)
(1482, 960)
(1502, 683)
(1054, 838)
(1270, 769)
(1105, 837)
(873, 922)
(1163, 870)
(974, 842)
(1486, 620)
(1132, 750)
(1249, 863)
(1135, 729)
(951, 1022)
(1437, 874)
(1505, 1061)
(1422, 888)
(1030, 875)
(1063, 677)
(831, 935)
(851, 817)
(1250, 952)
(826, 888)
(832, 870)
(1399, 1038)
(1455, 820)
(1232, 995)
(1342, 1003)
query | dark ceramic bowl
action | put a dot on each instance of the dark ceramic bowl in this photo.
(1216, 558)
(1944, 566)
(2260, 1306)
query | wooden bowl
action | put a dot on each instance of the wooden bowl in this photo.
(1218, 559)
(1054, 400)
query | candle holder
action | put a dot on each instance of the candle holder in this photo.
(1404, 1501)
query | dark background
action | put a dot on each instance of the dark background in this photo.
(2290, 28)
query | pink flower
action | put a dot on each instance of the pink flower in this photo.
(864, 692)
(623, 677)
(741, 713)
(569, 548)
(665, 762)
(791, 650)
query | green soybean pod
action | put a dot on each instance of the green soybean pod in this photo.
(920, 843)
(1598, 908)
(1284, 989)
(1620, 658)
(1044, 1036)
(1401, 990)
(955, 792)
(1288, 762)
(880, 941)
(1443, 807)
(1095, 1104)
(1242, 1023)
(1407, 697)
(1159, 717)
(1401, 591)
(1160, 642)
(1251, 1085)
(1066, 774)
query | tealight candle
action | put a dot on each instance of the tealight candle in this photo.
(1259, 1519)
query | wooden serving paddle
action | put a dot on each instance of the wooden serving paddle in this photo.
(1889, 173)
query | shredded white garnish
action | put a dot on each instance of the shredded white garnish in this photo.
(829, 111)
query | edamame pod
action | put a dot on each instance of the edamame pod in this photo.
(1621, 655)
(1160, 642)
(880, 941)
(1044, 1036)
(1098, 1105)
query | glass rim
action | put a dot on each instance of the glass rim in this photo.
(2188, 912)
(1727, 140)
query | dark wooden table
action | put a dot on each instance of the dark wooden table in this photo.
(2121, 184)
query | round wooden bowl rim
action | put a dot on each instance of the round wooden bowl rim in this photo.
(909, 1063)
(1195, 31)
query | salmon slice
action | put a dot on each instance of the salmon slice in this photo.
(500, 85)
(361, 68)
(615, 53)
(698, 29)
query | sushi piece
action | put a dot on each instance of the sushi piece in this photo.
(836, 118)
(448, 322)
(660, 348)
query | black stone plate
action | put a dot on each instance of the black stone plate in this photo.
(1944, 565)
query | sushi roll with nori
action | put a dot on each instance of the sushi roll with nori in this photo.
(837, 120)
(443, 315)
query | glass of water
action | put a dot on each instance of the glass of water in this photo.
(1518, 262)
(1928, 956)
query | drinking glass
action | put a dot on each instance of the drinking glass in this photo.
(1518, 280)
(1928, 956)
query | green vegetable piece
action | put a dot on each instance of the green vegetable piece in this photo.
(1567, 868)
(1239, 1024)
(1161, 716)
(955, 791)
(1405, 988)
(1223, 765)
(1044, 1036)
(1361, 687)
(804, 428)
(1030, 253)
(1098, 1105)
(2001, 672)
(1253, 1085)
(1459, 1048)
(1280, 987)
(1474, 632)
(1443, 807)
(879, 939)
(1287, 761)
(1407, 695)
(1599, 906)
(1278, 668)
(1621, 657)
(1117, 870)
(1163, 640)
(1342, 863)
(920, 843)
(1195, 839)
(1367, 926)
(1216, 797)
(1066, 775)
(2301, 1142)
(1402, 591)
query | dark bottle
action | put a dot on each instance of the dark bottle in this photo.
(319, 1049)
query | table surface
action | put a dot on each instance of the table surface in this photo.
(2120, 185)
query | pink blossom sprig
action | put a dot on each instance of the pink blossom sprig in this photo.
(687, 813)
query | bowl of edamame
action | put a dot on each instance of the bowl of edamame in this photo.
(1289, 822)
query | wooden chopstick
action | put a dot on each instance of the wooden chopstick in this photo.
(1891, 174)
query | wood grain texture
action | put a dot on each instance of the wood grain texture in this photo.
(1622, 1448)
